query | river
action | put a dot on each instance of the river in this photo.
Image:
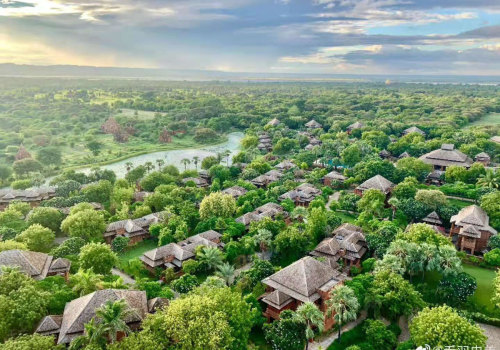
(174, 157)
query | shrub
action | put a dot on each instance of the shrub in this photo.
(119, 244)
(184, 284)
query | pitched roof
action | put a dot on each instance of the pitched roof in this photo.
(303, 193)
(235, 191)
(356, 125)
(378, 182)
(49, 325)
(285, 165)
(313, 124)
(60, 265)
(80, 311)
(413, 129)
(483, 155)
(335, 175)
(404, 155)
(277, 299)
(273, 122)
(433, 219)
(302, 279)
(475, 216)
(445, 156)
(34, 264)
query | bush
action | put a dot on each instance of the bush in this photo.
(493, 257)
(191, 266)
(368, 264)
(119, 244)
(70, 246)
(185, 283)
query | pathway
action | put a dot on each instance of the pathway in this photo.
(333, 197)
(325, 342)
(126, 278)
(245, 267)
(493, 334)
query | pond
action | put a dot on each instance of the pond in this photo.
(175, 157)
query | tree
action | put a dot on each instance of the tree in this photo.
(291, 243)
(87, 224)
(379, 241)
(185, 162)
(406, 189)
(99, 192)
(119, 244)
(249, 141)
(496, 291)
(309, 314)
(95, 147)
(37, 238)
(208, 318)
(91, 338)
(376, 138)
(414, 167)
(372, 202)
(263, 239)
(285, 145)
(491, 205)
(493, 257)
(442, 326)
(379, 336)
(26, 166)
(287, 333)
(160, 163)
(50, 218)
(431, 198)
(112, 316)
(50, 156)
(217, 204)
(455, 289)
(343, 305)
(351, 155)
(85, 282)
(205, 135)
(317, 224)
(392, 295)
(32, 341)
(5, 173)
(423, 233)
(226, 272)
(211, 257)
(71, 246)
(22, 304)
(196, 160)
(209, 162)
(455, 173)
(490, 179)
(11, 245)
(185, 283)
(98, 257)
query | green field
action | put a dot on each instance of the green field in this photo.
(137, 250)
(484, 292)
(489, 119)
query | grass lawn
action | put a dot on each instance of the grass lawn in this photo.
(489, 119)
(484, 292)
(137, 250)
(346, 217)
(458, 203)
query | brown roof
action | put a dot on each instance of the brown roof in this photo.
(433, 219)
(302, 279)
(413, 129)
(475, 216)
(235, 191)
(303, 193)
(378, 182)
(356, 125)
(348, 241)
(80, 311)
(277, 299)
(285, 165)
(34, 264)
(273, 122)
(313, 124)
(335, 175)
(29, 195)
(136, 226)
(495, 139)
(445, 156)
(483, 156)
(49, 325)
(198, 181)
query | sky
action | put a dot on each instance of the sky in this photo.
(446, 37)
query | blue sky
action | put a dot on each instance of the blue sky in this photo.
(291, 36)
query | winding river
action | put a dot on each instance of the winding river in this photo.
(175, 157)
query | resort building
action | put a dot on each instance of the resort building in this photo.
(306, 280)
(136, 230)
(378, 182)
(267, 178)
(285, 165)
(273, 122)
(447, 155)
(198, 181)
(483, 158)
(348, 245)
(32, 196)
(435, 221)
(333, 177)
(34, 264)
(80, 311)
(412, 130)
(313, 124)
(173, 255)
(235, 191)
(472, 225)
(271, 210)
(354, 126)
(302, 195)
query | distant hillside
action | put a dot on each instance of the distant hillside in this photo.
(10, 69)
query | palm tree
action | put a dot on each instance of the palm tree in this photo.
(226, 272)
(85, 282)
(185, 162)
(263, 239)
(490, 179)
(309, 314)
(91, 335)
(196, 160)
(414, 261)
(430, 257)
(113, 315)
(211, 257)
(149, 166)
(394, 203)
(344, 304)
(129, 166)
(160, 163)
(448, 260)
(300, 213)
(116, 284)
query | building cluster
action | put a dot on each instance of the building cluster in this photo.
(32, 196)
(136, 230)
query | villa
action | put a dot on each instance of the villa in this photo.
(136, 230)
(302, 195)
(34, 264)
(412, 130)
(32, 196)
(271, 210)
(378, 182)
(447, 155)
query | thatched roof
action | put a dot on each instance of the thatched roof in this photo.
(277, 299)
(404, 155)
(483, 156)
(475, 216)
(22, 153)
(433, 219)
(285, 165)
(156, 304)
(273, 122)
(412, 130)
(348, 241)
(313, 124)
(49, 325)
(356, 125)
(136, 226)
(267, 210)
(445, 156)
(302, 279)
(378, 182)
(34, 264)
(335, 176)
(80, 311)
(29, 195)
(235, 191)
(304, 193)
(198, 181)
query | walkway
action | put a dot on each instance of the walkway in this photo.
(325, 342)
(493, 334)
(126, 278)
(333, 197)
